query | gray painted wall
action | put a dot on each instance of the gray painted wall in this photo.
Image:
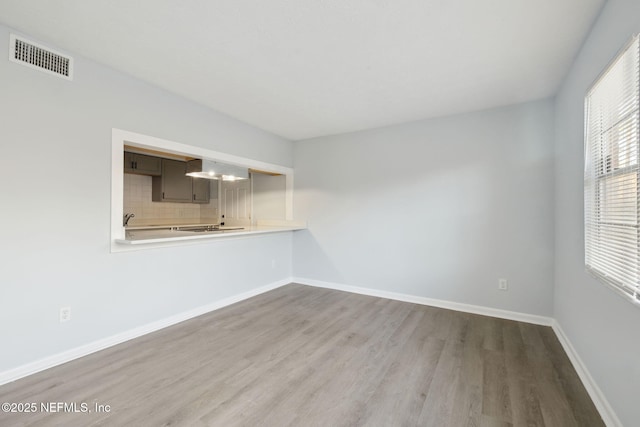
(438, 208)
(603, 327)
(55, 184)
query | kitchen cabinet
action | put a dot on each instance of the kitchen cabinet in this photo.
(141, 164)
(200, 190)
(174, 186)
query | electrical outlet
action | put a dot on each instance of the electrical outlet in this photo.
(503, 285)
(273, 263)
(65, 314)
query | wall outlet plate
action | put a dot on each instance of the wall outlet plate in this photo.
(503, 285)
(65, 314)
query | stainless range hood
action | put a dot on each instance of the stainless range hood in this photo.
(209, 169)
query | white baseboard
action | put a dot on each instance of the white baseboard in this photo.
(83, 350)
(467, 308)
(602, 404)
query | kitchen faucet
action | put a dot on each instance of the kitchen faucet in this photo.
(126, 218)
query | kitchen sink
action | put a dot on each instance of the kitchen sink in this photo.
(197, 229)
(208, 229)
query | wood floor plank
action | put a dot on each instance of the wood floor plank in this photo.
(313, 352)
(438, 408)
(521, 378)
(496, 401)
(470, 389)
(315, 357)
(401, 394)
(351, 370)
(581, 405)
(554, 404)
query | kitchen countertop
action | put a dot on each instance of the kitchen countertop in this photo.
(161, 234)
(170, 225)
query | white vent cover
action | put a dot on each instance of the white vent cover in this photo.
(39, 57)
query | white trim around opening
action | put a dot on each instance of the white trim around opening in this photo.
(120, 138)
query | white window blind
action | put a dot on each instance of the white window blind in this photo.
(611, 180)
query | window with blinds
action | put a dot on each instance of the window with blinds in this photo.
(611, 175)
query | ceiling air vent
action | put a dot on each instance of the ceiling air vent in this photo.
(41, 58)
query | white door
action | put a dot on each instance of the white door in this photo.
(235, 204)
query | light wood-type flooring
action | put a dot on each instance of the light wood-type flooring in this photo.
(304, 356)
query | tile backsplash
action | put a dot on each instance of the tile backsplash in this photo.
(137, 200)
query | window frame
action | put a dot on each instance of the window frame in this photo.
(603, 251)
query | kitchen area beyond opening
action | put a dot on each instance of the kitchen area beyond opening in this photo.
(166, 192)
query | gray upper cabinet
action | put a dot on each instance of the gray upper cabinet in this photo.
(200, 190)
(174, 186)
(142, 165)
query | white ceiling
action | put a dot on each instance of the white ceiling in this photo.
(305, 68)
